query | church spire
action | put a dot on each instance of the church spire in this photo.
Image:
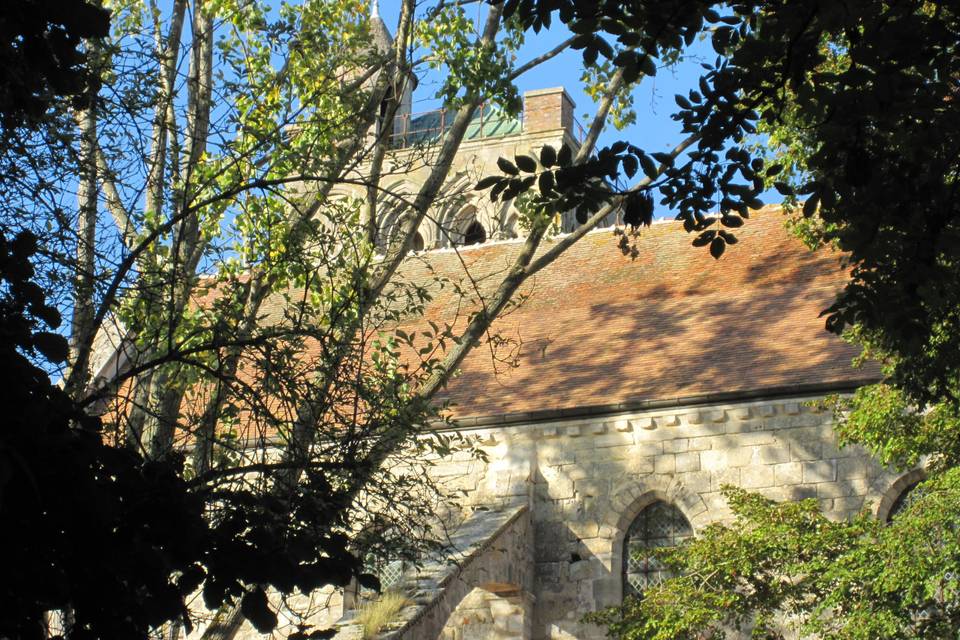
(374, 8)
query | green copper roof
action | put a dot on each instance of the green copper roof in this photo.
(428, 128)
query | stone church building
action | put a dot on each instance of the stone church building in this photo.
(641, 387)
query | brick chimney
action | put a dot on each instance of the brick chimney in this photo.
(547, 110)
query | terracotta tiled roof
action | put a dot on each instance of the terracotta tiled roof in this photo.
(599, 328)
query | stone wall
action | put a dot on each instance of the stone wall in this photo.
(586, 479)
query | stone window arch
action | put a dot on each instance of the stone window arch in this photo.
(658, 525)
(899, 495)
(907, 496)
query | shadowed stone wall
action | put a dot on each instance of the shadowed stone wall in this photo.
(587, 479)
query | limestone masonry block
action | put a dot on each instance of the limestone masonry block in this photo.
(700, 444)
(714, 460)
(791, 408)
(849, 504)
(615, 439)
(820, 471)
(697, 481)
(836, 490)
(767, 410)
(774, 455)
(598, 428)
(788, 473)
(665, 464)
(741, 413)
(695, 418)
(549, 432)
(724, 477)
(687, 462)
(573, 431)
(806, 450)
(740, 456)
(676, 446)
(848, 468)
(649, 449)
(756, 477)
(624, 426)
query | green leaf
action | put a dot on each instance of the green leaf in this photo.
(255, 608)
(783, 188)
(546, 182)
(717, 247)
(507, 167)
(704, 238)
(810, 206)
(52, 346)
(663, 158)
(526, 163)
(649, 166)
(647, 66)
(369, 581)
(548, 156)
(565, 157)
(731, 221)
(487, 182)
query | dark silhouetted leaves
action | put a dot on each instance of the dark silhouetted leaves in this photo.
(369, 581)
(649, 166)
(704, 238)
(526, 163)
(486, 183)
(731, 221)
(507, 167)
(53, 347)
(548, 156)
(717, 247)
(255, 608)
(638, 210)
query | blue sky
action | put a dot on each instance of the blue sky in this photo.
(653, 99)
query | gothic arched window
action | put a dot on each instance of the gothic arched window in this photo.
(475, 234)
(417, 244)
(907, 497)
(658, 525)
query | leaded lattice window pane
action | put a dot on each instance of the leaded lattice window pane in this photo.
(390, 574)
(658, 525)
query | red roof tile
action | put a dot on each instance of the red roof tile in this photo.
(599, 328)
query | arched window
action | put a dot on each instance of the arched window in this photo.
(907, 497)
(475, 234)
(658, 525)
(417, 244)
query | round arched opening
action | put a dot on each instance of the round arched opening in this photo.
(475, 234)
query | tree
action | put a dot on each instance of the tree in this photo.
(256, 369)
(302, 426)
